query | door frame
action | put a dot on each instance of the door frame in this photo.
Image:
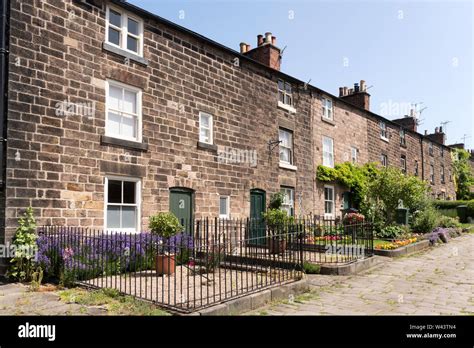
(264, 194)
(183, 190)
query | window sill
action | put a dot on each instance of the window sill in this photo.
(206, 146)
(288, 108)
(132, 145)
(328, 120)
(121, 52)
(384, 139)
(288, 166)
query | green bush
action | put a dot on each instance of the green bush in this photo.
(165, 225)
(22, 264)
(391, 232)
(310, 268)
(425, 220)
(445, 205)
(448, 222)
(276, 201)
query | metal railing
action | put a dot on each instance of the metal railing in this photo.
(212, 261)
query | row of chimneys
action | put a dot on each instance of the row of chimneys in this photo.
(267, 53)
(344, 91)
(261, 40)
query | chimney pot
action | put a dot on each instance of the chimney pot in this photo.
(274, 40)
(362, 85)
(341, 91)
(243, 47)
(259, 40)
(268, 37)
(345, 90)
(436, 130)
(441, 129)
(248, 47)
(426, 132)
(356, 87)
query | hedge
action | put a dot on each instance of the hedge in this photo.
(448, 205)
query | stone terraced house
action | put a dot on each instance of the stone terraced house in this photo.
(112, 113)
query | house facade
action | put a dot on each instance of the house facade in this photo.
(114, 114)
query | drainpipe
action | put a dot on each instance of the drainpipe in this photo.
(422, 160)
(4, 46)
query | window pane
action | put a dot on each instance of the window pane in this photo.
(114, 191)
(113, 124)
(128, 127)
(113, 217)
(285, 155)
(223, 205)
(130, 102)
(129, 217)
(204, 135)
(115, 18)
(133, 27)
(282, 97)
(114, 36)
(132, 44)
(115, 96)
(204, 121)
(129, 192)
(281, 85)
(288, 88)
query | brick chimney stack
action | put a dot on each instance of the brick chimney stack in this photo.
(357, 95)
(408, 122)
(438, 136)
(266, 52)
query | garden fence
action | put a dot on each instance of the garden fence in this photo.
(212, 261)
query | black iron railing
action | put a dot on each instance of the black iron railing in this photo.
(212, 261)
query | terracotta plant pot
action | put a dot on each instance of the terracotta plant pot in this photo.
(276, 246)
(165, 264)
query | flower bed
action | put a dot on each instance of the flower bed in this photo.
(396, 244)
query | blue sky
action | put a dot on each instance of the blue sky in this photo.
(409, 52)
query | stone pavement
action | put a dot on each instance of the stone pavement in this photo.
(16, 299)
(437, 281)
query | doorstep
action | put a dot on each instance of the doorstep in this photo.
(256, 300)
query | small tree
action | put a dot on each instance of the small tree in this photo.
(385, 192)
(463, 176)
(24, 243)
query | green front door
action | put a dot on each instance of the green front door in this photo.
(181, 205)
(257, 225)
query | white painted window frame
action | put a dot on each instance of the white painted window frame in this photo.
(210, 128)
(283, 163)
(137, 205)
(383, 131)
(354, 156)
(139, 122)
(227, 215)
(328, 112)
(330, 153)
(124, 33)
(288, 204)
(333, 201)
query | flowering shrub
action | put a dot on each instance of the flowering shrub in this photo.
(353, 218)
(396, 244)
(71, 257)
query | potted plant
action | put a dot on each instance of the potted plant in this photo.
(278, 222)
(166, 226)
